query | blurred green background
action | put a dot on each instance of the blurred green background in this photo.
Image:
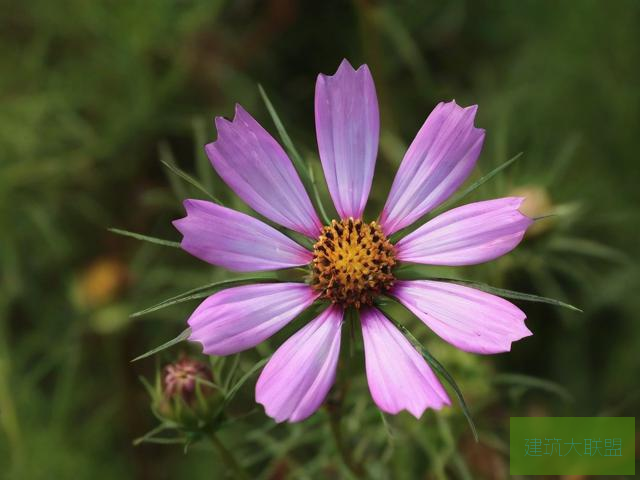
(95, 94)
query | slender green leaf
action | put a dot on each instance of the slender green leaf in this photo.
(188, 298)
(179, 188)
(202, 163)
(151, 390)
(409, 273)
(533, 382)
(284, 136)
(305, 172)
(145, 238)
(501, 292)
(164, 441)
(438, 367)
(207, 383)
(236, 387)
(183, 336)
(316, 196)
(149, 435)
(197, 292)
(456, 198)
(387, 427)
(232, 372)
(189, 179)
(543, 217)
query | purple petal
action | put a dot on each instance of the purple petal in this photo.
(439, 159)
(467, 235)
(398, 376)
(472, 320)
(298, 376)
(347, 127)
(252, 163)
(239, 318)
(236, 241)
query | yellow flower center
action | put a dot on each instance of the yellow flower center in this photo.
(352, 263)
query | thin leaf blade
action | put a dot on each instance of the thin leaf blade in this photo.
(284, 136)
(236, 387)
(305, 171)
(174, 341)
(189, 179)
(502, 292)
(144, 238)
(200, 292)
(316, 196)
(475, 185)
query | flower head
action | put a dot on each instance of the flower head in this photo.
(186, 395)
(182, 377)
(353, 261)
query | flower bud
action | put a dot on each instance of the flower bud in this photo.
(182, 378)
(187, 395)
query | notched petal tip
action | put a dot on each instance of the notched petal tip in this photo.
(345, 68)
(189, 204)
(439, 159)
(467, 113)
(239, 318)
(258, 170)
(417, 411)
(236, 241)
(472, 320)
(180, 224)
(240, 114)
(397, 374)
(220, 122)
(345, 65)
(297, 378)
(240, 118)
(347, 129)
(518, 201)
(472, 109)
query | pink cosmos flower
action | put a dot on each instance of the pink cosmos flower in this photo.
(352, 262)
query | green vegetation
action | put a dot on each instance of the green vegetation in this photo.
(105, 110)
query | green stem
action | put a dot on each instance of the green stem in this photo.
(8, 415)
(228, 458)
(334, 421)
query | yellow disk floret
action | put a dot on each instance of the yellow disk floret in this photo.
(352, 262)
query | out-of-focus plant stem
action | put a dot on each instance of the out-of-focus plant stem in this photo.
(228, 458)
(8, 415)
(334, 422)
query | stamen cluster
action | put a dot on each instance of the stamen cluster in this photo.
(352, 263)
